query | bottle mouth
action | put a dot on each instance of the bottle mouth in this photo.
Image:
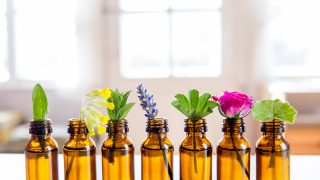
(77, 126)
(272, 126)
(199, 125)
(117, 126)
(40, 127)
(158, 125)
(233, 125)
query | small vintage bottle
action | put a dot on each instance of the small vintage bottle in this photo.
(157, 152)
(41, 152)
(195, 152)
(117, 152)
(233, 152)
(79, 153)
(272, 152)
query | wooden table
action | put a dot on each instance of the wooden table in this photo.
(12, 167)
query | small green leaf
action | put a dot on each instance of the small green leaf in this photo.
(40, 103)
(183, 100)
(268, 110)
(94, 111)
(119, 99)
(202, 101)
(125, 98)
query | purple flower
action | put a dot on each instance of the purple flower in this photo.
(234, 104)
(147, 102)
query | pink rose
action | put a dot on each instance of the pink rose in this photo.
(234, 104)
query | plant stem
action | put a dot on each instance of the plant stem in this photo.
(166, 163)
(73, 155)
(272, 158)
(42, 141)
(239, 159)
(194, 148)
(111, 154)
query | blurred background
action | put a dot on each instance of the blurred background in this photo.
(268, 49)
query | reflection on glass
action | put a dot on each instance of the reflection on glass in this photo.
(196, 44)
(144, 45)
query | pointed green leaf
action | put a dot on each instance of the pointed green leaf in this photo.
(40, 103)
(123, 112)
(101, 102)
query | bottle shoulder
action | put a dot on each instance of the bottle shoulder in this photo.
(35, 144)
(122, 143)
(80, 143)
(269, 143)
(227, 142)
(153, 143)
(202, 143)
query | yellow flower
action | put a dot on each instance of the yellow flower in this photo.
(104, 119)
(101, 129)
(105, 93)
(91, 133)
(110, 106)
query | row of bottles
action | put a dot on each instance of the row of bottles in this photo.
(233, 152)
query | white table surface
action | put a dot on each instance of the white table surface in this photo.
(12, 167)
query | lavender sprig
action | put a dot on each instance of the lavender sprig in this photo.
(147, 102)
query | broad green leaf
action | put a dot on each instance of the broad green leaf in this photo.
(177, 105)
(40, 103)
(268, 110)
(123, 112)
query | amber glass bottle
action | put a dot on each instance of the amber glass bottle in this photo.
(79, 153)
(41, 152)
(157, 152)
(195, 152)
(233, 152)
(272, 153)
(117, 152)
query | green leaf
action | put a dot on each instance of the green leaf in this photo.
(125, 98)
(177, 105)
(123, 112)
(193, 98)
(94, 111)
(40, 103)
(268, 110)
(195, 107)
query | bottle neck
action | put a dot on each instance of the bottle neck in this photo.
(157, 127)
(272, 128)
(40, 128)
(233, 127)
(117, 128)
(195, 127)
(77, 128)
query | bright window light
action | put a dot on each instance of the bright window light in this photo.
(45, 40)
(294, 38)
(160, 39)
(4, 74)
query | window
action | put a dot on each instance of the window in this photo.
(42, 40)
(294, 38)
(178, 38)
(4, 74)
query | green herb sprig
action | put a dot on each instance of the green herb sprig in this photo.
(40, 103)
(194, 107)
(121, 107)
